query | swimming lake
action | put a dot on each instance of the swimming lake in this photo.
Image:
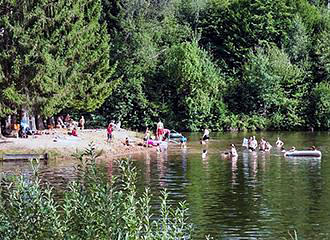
(255, 196)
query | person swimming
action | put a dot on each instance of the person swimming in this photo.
(279, 143)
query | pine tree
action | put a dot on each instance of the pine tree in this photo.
(54, 55)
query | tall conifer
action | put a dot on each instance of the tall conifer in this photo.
(54, 55)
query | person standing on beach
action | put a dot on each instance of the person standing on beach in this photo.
(160, 130)
(82, 122)
(109, 132)
(146, 135)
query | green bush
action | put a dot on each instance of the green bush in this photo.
(321, 100)
(92, 208)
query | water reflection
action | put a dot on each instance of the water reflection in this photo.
(161, 160)
(234, 171)
(184, 156)
(254, 196)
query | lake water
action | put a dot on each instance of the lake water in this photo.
(256, 196)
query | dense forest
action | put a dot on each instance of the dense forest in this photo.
(221, 64)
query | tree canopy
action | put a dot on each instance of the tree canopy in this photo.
(224, 64)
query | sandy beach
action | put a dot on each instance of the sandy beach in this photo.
(58, 141)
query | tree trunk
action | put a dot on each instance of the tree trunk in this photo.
(39, 122)
(1, 136)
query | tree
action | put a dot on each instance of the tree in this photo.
(297, 45)
(321, 97)
(231, 30)
(55, 55)
(272, 87)
(142, 34)
(323, 55)
(195, 84)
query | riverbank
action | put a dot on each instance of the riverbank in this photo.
(58, 143)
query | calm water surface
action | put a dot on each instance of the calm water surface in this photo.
(256, 196)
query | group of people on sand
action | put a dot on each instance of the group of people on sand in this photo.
(161, 133)
(71, 124)
(112, 126)
(161, 138)
(68, 122)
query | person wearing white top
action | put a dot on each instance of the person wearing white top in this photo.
(206, 134)
(233, 151)
(279, 143)
(160, 129)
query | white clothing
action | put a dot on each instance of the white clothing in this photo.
(160, 125)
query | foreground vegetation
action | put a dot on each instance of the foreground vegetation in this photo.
(93, 207)
(225, 64)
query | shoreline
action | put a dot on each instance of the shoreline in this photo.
(57, 143)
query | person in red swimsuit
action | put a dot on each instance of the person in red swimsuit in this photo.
(160, 130)
(109, 132)
(74, 132)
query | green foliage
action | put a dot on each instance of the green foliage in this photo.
(232, 30)
(269, 53)
(54, 55)
(297, 45)
(196, 84)
(272, 87)
(188, 11)
(323, 53)
(92, 208)
(242, 122)
(309, 13)
(143, 33)
(261, 58)
(28, 211)
(321, 95)
(129, 104)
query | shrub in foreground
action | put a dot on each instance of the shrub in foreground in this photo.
(92, 208)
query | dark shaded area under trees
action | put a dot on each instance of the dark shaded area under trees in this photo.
(221, 64)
